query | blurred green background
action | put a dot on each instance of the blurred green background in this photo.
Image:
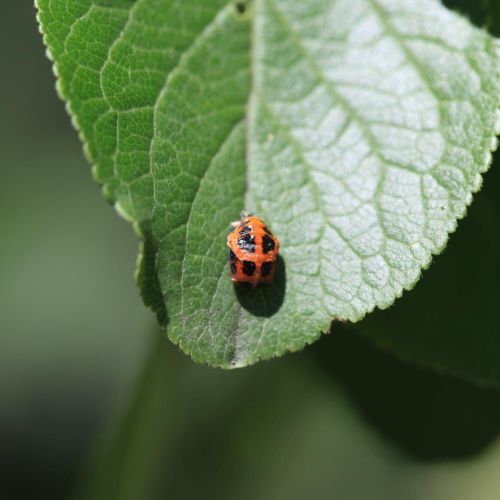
(95, 403)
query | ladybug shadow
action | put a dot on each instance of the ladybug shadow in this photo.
(266, 300)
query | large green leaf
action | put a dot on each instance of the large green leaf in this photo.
(358, 129)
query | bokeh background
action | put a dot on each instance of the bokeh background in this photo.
(95, 403)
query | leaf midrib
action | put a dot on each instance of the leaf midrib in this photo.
(353, 116)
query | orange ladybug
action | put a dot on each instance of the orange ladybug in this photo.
(253, 250)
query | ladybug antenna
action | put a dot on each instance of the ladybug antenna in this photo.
(244, 214)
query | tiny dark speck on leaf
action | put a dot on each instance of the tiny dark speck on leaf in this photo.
(241, 7)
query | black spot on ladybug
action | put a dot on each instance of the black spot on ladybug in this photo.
(232, 256)
(232, 266)
(267, 243)
(266, 268)
(245, 284)
(248, 267)
(247, 243)
(245, 230)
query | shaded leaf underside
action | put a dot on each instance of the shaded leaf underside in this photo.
(357, 128)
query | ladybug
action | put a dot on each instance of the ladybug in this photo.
(253, 250)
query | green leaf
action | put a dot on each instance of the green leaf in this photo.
(358, 129)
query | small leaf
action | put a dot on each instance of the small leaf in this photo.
(358, 129)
